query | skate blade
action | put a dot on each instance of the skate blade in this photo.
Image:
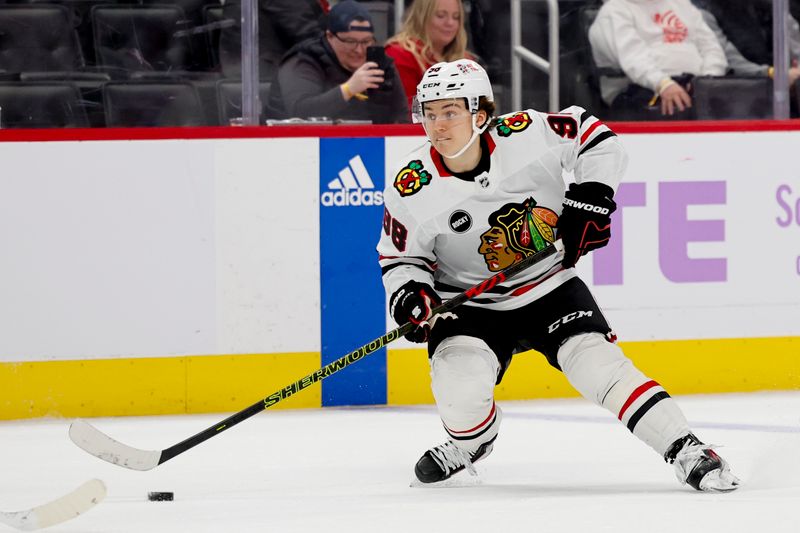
(453, 482)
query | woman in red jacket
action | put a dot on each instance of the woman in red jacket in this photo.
(432, 32)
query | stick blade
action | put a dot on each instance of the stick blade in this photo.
(97, 443)
(65, 508)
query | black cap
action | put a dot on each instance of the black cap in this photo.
(344, 13)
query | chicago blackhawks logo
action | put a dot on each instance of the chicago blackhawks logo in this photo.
(513, 123)
(411, 179)
(517, 231)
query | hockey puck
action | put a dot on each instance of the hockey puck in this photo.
(160, 496)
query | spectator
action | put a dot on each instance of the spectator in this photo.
(281, 25)
(657, 44)
(433, 31)
(748, 25)
(330, 76)
(739, 64)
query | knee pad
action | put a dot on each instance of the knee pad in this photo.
(463, 375)
(594, 366)
(601, 373)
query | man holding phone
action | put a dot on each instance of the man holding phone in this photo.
(341, 75)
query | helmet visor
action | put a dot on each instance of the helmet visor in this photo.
(446, 111)
(416, 111)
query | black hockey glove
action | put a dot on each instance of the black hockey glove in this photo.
(585, 222)
(414, 302)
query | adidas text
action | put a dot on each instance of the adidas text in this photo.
(586, 207)
(353, 186)
(351, 197)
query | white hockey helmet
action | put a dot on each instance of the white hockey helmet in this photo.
(462, 78)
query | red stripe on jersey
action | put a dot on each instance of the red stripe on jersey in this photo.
(489, 142)
(479, 426)
(526, 288)
(641, 389)
(588, 132)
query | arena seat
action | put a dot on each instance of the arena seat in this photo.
(149, 104)
(229, 101)
(732, 97)
(141, 38)
(38, 38)
(41, 105)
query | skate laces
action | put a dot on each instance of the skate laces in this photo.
(690, 456)
(450, 457)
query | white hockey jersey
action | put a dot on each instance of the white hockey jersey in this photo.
(453, 233)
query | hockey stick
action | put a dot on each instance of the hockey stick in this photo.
(104, 447)
(73, 504)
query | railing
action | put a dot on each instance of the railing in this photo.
(251, 108)
(520, 53)
(780, 47)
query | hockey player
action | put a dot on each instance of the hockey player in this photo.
(481, 194)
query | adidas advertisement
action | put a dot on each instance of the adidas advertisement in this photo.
(352, 298)
(352, 186)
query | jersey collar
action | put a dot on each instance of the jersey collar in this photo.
(438, 160)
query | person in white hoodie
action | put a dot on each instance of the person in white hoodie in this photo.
(653, 42)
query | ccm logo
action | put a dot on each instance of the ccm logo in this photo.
(429, 85)
(586, 207)
(566, 319)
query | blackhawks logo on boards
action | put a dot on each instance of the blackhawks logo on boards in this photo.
(513, 123)
(517, 231)
(411, 178)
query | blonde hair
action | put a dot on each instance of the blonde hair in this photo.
(414, 32)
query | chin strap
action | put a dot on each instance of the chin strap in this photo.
(475, 132)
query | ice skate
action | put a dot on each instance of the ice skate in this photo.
(699, 466)
(441, 462)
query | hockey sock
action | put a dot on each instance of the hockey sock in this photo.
(463, 375)
(601, 373)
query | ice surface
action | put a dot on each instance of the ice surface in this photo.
(557, 466)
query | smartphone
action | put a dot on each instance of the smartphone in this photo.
(376, 54)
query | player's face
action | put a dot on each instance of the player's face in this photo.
(448, 124)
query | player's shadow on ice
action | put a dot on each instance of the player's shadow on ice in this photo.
(505, 490)
(620, 489)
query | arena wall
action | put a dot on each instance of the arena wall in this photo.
(199, 270)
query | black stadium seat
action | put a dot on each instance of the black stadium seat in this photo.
(147, 104)
(141, 38)
(41, 105)
(229, 101)
(38, 37)
(721, 98)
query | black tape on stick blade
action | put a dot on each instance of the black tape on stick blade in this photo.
(160, 496)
